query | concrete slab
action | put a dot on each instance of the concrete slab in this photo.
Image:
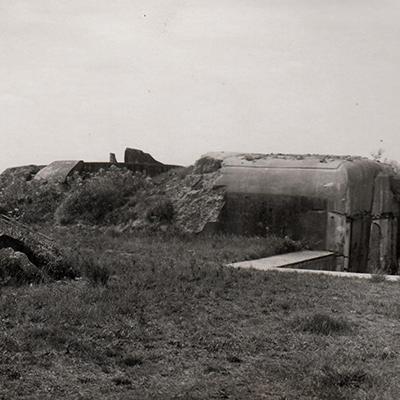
(288, 263)
(285, 260)
(58, 171)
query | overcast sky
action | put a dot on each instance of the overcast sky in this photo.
(81, 78)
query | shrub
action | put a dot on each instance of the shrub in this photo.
(31, 201)
(94, 198)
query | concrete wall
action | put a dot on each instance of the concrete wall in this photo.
(149, 169)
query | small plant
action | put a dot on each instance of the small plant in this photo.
(161, 211)
(88, 266)
(132, 361)
(96, 273)
(234, 359)
(323, 324)
(121, 380)
(289, 245)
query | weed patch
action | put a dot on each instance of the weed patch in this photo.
(340, 383)
(88, 266)
(132, 361)
(322, 324)
(121, 381)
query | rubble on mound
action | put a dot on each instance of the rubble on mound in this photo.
(178, 199)
(16, 174)
(196, 200)
(16, 268)
(182, 199)
(207, 164)
(33, 255)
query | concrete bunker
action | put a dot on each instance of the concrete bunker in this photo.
(345, 205)
(135, 160)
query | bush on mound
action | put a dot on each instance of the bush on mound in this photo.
(94, 198)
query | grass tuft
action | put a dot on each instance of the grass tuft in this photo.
(346, 377)
(120, 380)
(132, 361)
(323, 324)
(340, 383)
(96, 273)
(234, 359)
(87, 265)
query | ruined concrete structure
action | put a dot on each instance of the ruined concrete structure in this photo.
(136, 156)
(346, 205)
(135, 160)
(341, 204)
(58, 171)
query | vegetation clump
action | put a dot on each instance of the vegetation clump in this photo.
(86, 265)
(323, 324)
(94, 198)
(342, 382)
(30, 201)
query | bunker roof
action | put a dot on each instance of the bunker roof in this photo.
(345, 182)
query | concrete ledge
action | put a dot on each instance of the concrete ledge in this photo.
(290, 261)
(311, 259)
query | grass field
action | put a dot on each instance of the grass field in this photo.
(160, 317)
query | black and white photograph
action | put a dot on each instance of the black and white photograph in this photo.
(199, 199)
